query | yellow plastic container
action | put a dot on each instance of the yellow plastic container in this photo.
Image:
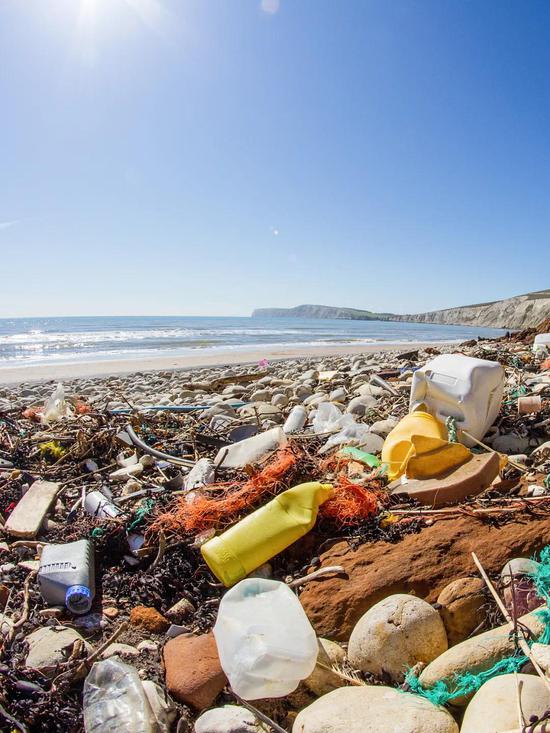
(398, 447)
(266, 532)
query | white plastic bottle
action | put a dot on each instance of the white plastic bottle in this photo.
(66, 575)
(462, 387)
(252, 449)
(265, 641)
(98, 505)
(296, 419)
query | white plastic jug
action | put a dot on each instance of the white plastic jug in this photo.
(265, 641)
(465, 388)
(541, 345)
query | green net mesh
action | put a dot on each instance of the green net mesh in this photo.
(461, 685)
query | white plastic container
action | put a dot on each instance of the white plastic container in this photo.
(66, 575)
(541, 344)
(251, 450)
(265, 641)
(465, 388)
(98, 505)
(296, 420)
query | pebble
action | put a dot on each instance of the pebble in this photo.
(148, 645)
(228, 719)
(373, 709)
(180, 610)
(49, 646)
(338, 395)
(359, 406)
(461, 607)
(395, 634)
(6, 625)
(193, 671)
(122, 650)
(494, 707)
(478, 652)
(260, 395)
(279, 400)
(383, 427)
(510, 444)
(322, 680)
(149, 618)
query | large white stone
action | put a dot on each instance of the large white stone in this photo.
(395, 634)
(494, 708)
(372, 709)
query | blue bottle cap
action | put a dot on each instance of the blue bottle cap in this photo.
(78, 598)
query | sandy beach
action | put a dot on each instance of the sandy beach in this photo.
(45, 372)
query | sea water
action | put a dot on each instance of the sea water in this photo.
(36, 341)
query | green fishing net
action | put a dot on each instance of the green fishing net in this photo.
(444, 692)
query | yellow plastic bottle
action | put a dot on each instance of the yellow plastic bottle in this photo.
(266, 532)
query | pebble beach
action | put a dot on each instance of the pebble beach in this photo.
(374, 551)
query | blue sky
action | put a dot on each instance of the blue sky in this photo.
(206, 157)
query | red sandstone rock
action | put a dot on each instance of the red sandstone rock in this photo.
(193, 671)
(421, 564)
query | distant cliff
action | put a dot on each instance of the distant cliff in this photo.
(522, 311)
(321, 311)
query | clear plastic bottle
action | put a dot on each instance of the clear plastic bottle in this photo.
(265, 641)
(116, 702)
(66, 575)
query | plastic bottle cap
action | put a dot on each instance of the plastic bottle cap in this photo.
(78, 598)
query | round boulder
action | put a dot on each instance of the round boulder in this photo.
(323, 680)
(394, 635)
(494, 707)
(372, 709)
(461, 603)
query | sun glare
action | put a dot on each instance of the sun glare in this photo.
(151, 13)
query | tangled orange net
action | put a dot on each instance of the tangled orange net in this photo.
(205, 512)
(351, 502)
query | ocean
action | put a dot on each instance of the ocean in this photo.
(38, 341)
